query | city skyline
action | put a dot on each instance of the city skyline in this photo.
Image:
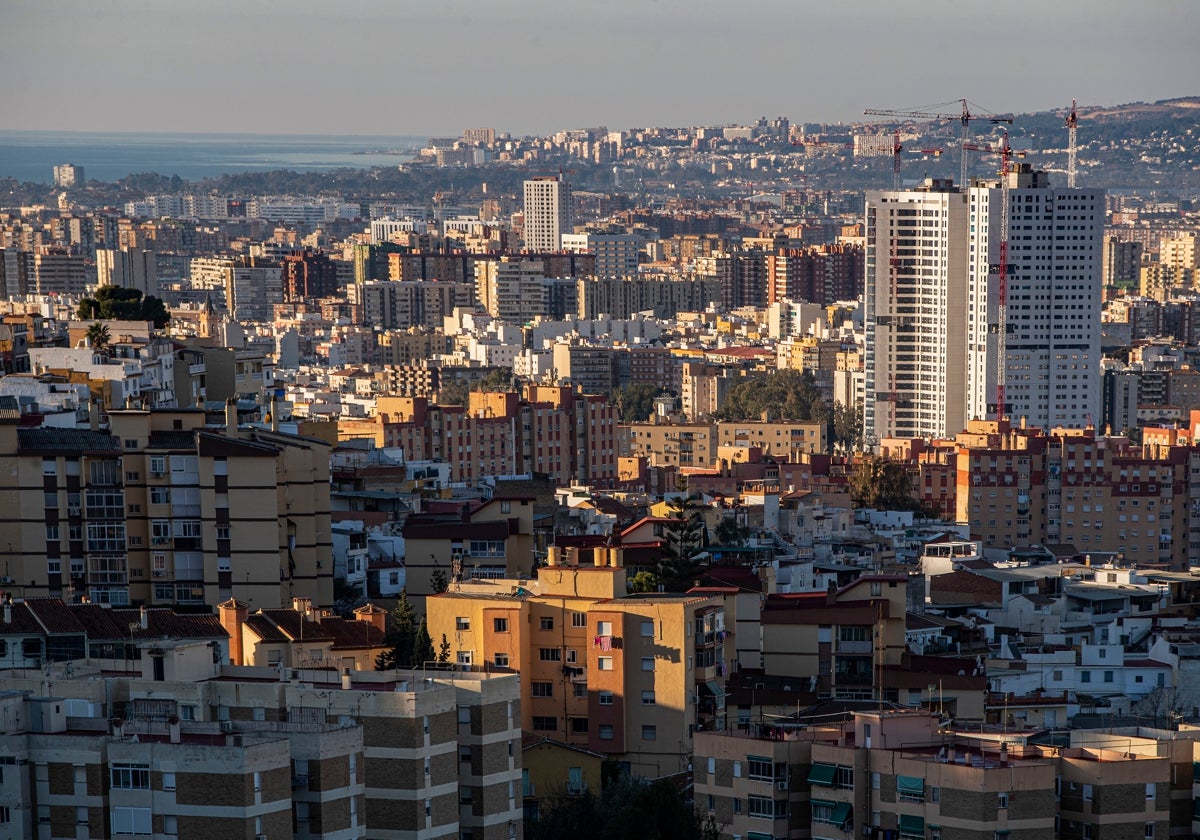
(624, 65)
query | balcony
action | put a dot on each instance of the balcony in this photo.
(843, 678)
(855, 647)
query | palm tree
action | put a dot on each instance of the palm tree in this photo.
(98, 336)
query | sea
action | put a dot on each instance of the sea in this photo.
(29, 156)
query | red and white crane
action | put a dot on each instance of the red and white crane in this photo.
(935, 112)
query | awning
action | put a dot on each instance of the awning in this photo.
(912, 824)
(822, 774)
(910, 784)
(841, 813)
(718, 692)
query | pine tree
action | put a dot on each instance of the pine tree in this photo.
(438, 581)
(682, 544)
(401, 630)
(422, 650)
(444, 650)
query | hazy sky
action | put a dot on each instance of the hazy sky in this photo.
(399, 67)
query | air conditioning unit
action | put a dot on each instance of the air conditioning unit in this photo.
(159, 573)
(6, 579)
(226, 726)
(72, 511)
(781, 785)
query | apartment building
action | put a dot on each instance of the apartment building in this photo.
(1054, 292)
(1021, 487)
(160, 509)
(549, 429)
(670, 444)
(626, 296)
(915, 311)
(77, 772)
(629, 676)
(548, 213)
(396, 754)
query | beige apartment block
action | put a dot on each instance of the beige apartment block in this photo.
(631, 676)
(160, 509)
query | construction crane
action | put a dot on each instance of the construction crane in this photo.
(935, 112)
(1000, 269)
(1072, 123)
(897, 149)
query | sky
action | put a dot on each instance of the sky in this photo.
(401, 67)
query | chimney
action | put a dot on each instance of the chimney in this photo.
(231, 417)
(373, 614)
(93, 415)
(615, 558)
(275, 395)
(552, 555)
(173, 729)
(144, 618)
(345, 679)
(232, 615)
(599, 557)
(302, 605)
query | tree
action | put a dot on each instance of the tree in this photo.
(452, 393)
(444, 650)
(882, 484)
(438, 581)
(643, 581)
(117, 303)
(625, 808)
(401, 630)
(788, 395)
(847, 425)
(422, 650)
(635, 403)
(683, 542)
(98, 335)
(730, 532)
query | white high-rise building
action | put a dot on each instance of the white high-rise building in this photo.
(616, 254)
(131, 269)
(1055, 281)
(69, 175)
(547, 213)
(932, 306)
(916, 307)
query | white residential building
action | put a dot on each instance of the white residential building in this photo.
(916, 307)
(1055, 277)
(547, 213)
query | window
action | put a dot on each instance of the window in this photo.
(647, 698)
(1149, 831)
(648, 629)
(603, 628)
(543, 689)
(1150, 790)
(605, 663)
(578, 690)
(462, 623)
(737, 769)
(464, 657)
(606, 732)
(762, 806)
(760, 769)
(168, 781)
(51, 533)
(170, 824)
(1085, 676)
(844, 778)
(579, 619)
(160, 495)
(49, 466)
(579, 725)
(500, 625)
(222, 532)
(649, 732)
(647, 663)
(1087, 793)
(158, 466)
(546, 622)
(130, 820)
(1002, 800)
(501, 660)
(606, 698)
(130, 776)
(544, 723)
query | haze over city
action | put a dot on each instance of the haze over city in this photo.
(535, 66)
